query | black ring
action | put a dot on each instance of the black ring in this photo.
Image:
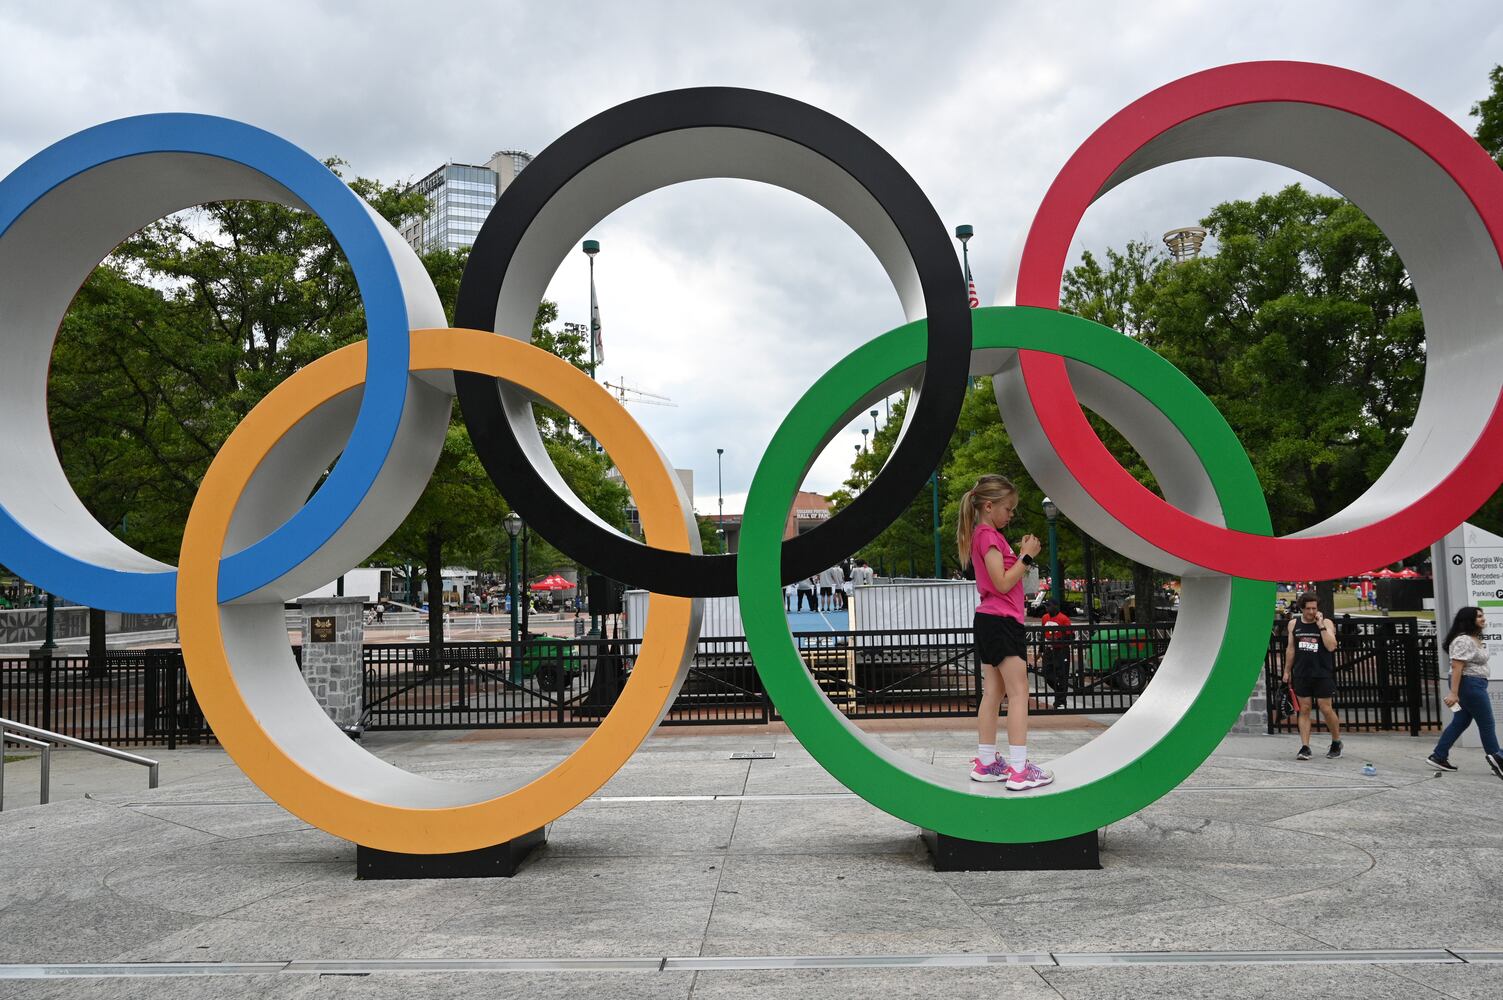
(930, 423)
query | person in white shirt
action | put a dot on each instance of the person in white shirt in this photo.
(831, 581)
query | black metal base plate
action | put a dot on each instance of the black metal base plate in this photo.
(953, 854)
(500, 861)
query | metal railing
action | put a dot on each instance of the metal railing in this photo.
(145, 697)
(1386, 678)
(33, 736)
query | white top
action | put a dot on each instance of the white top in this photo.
(1472, 653)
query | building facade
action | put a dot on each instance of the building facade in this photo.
(460, 196)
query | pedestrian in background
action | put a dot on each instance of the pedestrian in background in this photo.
(1469, 696)
(1310, 660)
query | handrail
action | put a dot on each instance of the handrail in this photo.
(45, 761)
(19, 732)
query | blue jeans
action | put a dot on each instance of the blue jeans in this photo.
(1474, 704)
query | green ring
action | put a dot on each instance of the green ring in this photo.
(883, 777)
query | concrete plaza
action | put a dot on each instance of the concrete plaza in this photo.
(693, 874)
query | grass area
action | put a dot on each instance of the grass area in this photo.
(1347, 601)
(11, 758)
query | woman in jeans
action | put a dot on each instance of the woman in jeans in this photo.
(1468, 697)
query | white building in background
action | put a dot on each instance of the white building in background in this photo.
(460, 196)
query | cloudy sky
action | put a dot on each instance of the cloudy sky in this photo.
(726, 296)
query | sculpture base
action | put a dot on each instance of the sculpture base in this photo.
(500, 861)
(953, 854)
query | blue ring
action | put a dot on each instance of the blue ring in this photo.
(386, 367)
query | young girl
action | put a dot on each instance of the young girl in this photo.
(985, 510)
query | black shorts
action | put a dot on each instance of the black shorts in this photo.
(1314, 684)
(998, 637)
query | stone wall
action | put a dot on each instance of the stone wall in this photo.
(332, 663)
(1254, 717)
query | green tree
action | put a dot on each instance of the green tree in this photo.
(709, 535)
(1303, 328)
(173, 339)
(1489, 115)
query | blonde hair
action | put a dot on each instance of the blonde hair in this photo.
(988, 488)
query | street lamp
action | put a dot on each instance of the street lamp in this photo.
(939, 571)
(862, 446)
(1056, 578)
(874, 427)
(720, 492)
(591, 248)
(513, 525)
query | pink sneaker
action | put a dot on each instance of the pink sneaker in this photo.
(1031, 776)
(995, 771)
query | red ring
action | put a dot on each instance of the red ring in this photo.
(1041, 269)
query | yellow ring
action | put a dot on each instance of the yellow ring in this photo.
(356, 813)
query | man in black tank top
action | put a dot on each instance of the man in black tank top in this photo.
(1310, 660)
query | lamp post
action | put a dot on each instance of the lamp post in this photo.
(964, 234)
(513, 525)
(939, 570)
(1089, 558)
(863, 439)
(1056, 578)
(874, 427)
(47, 644)
(591, 248)
(720, 494)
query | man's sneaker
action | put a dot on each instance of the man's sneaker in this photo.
(1030, 776)
(1495, 762)
(995, 771)
(1335, 750)
(1304, 754)
(1440, 762)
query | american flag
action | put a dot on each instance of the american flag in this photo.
(970, 285)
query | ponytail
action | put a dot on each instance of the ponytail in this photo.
(991, 488)
(965, 523)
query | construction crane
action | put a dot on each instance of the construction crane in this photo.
(622, 390)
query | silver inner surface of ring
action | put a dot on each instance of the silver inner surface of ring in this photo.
(658, 162)
(1444, 244)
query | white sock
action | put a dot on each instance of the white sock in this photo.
(1017, 756)
(986, 753)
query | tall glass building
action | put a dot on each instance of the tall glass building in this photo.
(460, 195)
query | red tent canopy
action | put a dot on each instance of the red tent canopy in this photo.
(1407, 574)
(1385, 574)
(553, 582)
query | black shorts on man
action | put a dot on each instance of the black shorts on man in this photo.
(1313, 681)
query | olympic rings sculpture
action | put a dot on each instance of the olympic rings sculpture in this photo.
(380, 409)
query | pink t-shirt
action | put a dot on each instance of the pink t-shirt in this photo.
(993, 601)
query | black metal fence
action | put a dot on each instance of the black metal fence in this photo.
(1387, 676)
(143, 697)
(133, 697)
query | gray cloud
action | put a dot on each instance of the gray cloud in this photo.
(729, 297)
